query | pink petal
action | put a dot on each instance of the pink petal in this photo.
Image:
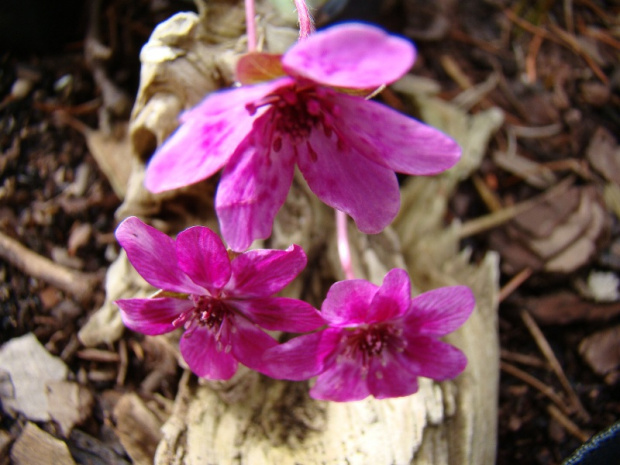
(218, 103)
(440, 311)
(388, 378)
(300, 358)
(206, 356)
(348, 181)
(353, 55)
(393, 297)
(203, 257)
(152, 316)
(263, 272)
(433, 359)
(153, 255)
(249, 344)
(399, 142)
(280, 314)
(348, 302)
(343, 381)
(207, 138)
(254, 187)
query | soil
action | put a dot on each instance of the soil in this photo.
(558, 82)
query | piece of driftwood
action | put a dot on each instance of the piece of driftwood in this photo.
(255, 420)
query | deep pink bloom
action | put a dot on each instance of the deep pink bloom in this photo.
(379, 340)
(346, 147)
(220, 302)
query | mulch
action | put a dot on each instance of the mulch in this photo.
(557, 79)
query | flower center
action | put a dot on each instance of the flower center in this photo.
(374, 341)
(208, 312)
(296, 111)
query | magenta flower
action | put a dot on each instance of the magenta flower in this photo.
(379, 340)
(346, 147)
(220, 302)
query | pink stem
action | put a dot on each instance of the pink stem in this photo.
(306, 24)
(250, 24)
(344, 247)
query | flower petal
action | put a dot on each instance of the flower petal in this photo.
(440, 311)
(433, 359)
(393, 297)
(343, 381)
(206, 356)
(263, 272)
(302, 357)
(152, 316)
(153, 255)
(253, 187)
(207, 138)
(280, 314)
(347, 302)
(388, 377)
(346, 180)
(203, 257)
(401, 143)
(354, 55)
(234, 99)
(249, 344)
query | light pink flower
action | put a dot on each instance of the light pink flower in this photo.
(220, 302)
(346, 147)
(379, 340)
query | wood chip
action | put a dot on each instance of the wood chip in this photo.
(565, 307)
(603, 153)
(138, 428)
(29, 367)
(601, 350)
(35, 446)
(70, 404)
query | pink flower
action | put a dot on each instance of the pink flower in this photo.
(379, 340)
(220, 302)
(346, 147)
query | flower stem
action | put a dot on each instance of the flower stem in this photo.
(306, 24)
(344, 247)
(250, 24)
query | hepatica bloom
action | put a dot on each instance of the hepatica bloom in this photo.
(379, 340)
(346, 147)
(220, 302)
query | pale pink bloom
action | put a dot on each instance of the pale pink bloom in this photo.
(346, 147)
(378, 341)
(220, 302)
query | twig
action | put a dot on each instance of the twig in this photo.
(514, 283)
(492, 220)
(524, 359)
(568, 425)
(530, 60)
(76, 283)
(547, 351)
(123, 362)
(98, 355)
(544, 389)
